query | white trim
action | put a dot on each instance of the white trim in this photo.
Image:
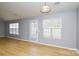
(45, 44)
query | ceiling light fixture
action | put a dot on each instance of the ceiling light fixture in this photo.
(45, 8)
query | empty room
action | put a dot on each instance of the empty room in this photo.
(39, 28)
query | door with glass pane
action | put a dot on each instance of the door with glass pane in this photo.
(34, 30)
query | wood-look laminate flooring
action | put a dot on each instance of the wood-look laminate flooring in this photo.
(12, 47)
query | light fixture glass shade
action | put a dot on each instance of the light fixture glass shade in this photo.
(45, 9)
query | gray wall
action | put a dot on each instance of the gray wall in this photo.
(23, 30)
(68, 30)
(78, 29)
(1, 28)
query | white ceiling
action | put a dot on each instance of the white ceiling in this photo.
(18, 10)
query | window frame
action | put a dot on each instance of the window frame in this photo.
(51, 28)
(14, 30)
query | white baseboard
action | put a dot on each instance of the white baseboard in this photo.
(45, 44)
(2, 36)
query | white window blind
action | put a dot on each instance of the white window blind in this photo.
(52, 28)
(14, 28)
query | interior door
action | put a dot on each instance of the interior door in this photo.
(34, 30)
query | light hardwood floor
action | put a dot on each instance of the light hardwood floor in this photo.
(12, 47)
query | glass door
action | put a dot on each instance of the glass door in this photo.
(34, 30)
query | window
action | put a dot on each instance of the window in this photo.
(14, 28)
(52, 28)
(47, 32)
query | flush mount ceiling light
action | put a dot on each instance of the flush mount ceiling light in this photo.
(45, 8)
